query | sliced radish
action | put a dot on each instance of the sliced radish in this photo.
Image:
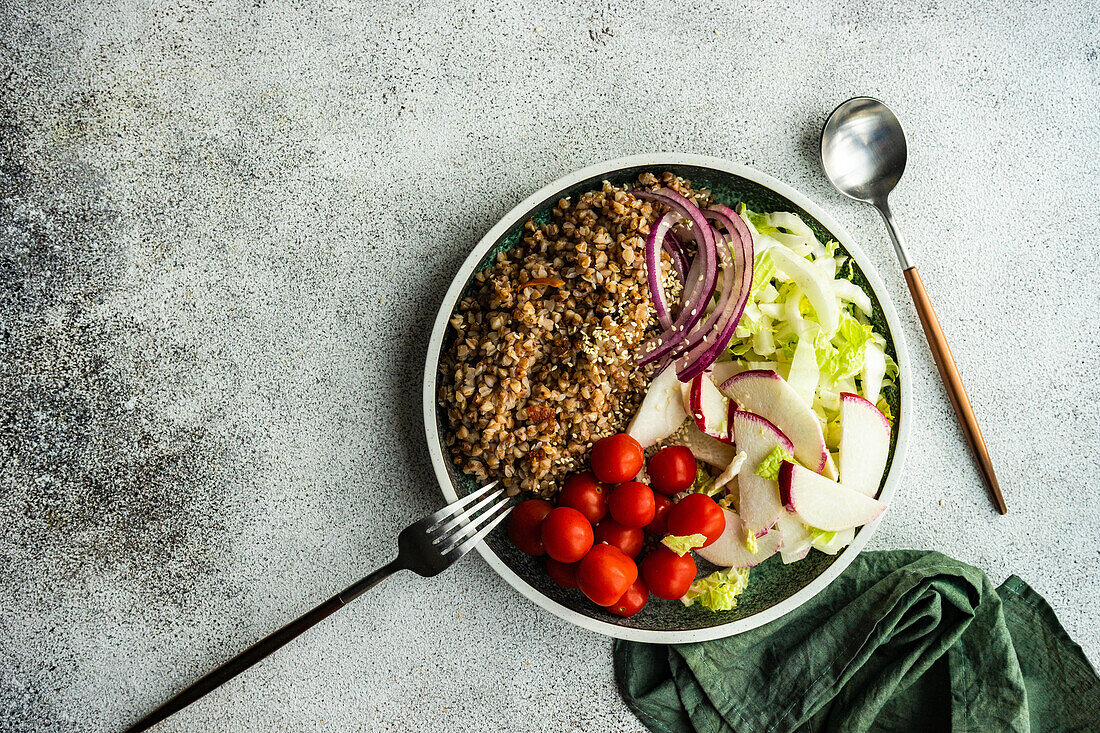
(661, 412)
(767, 394)
(822, 503)
(709, 408)
(709, 450)
(796, 538)
(760, 505)
(864, 444)
(729, 421)
(723, 370)
(729, 549)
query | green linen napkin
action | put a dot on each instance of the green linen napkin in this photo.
(901, 641)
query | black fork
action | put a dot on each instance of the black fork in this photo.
(427, 547)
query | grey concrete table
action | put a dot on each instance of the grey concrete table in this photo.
(225, 233)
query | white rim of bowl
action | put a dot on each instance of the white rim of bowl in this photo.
(439, 461)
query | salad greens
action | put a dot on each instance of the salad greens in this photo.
(682, 544)
(704, 481)
(820, 536)
(769, 467)
(807, 321)
(812, 325)
(719, 590)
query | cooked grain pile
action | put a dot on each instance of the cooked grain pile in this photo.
(543, 360)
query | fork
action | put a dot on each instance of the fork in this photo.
(427, 547)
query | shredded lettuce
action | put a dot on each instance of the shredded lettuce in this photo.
(841, 355)
(769, 467)
(731, 471)
(683, 544)
(787, 229)
(763, 270)
(874, 370)
(763, 337)
(849, 291)
(793, 309)
(805, 372)
(814, 286)
(788, 222)
(884, 407)
(831, 542)
(768, 293)
(704, 482)
(719, 590)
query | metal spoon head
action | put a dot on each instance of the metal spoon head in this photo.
(863, 149)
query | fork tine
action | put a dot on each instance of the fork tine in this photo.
(473, 526)
(450, 509)
(454, 553)
(462, 517)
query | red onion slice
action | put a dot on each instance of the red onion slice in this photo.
(692, 345)
(704, 353)
(653, 243)
(698, 291)
(675, 250)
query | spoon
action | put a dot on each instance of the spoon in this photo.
(863, 152)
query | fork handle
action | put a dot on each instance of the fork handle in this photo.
(263, 648)
(949, 373)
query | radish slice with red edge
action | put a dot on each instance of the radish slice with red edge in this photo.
(709, 409)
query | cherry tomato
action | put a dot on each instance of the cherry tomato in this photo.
(632, 504)
(697, 514)
(632, 601)
(585, 494)
(672, 470)
(659, 526)
(567, 534)
(616, 458)
(525, 525)
(562, 573)
(627, 539)
(667, 574)
(605, 573)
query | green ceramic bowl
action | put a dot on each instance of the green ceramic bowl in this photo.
(774, 588)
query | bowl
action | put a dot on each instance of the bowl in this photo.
(774, 588)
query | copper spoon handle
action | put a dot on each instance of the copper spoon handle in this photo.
(949, 373)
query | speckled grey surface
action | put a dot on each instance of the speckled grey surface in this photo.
(225, 231)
